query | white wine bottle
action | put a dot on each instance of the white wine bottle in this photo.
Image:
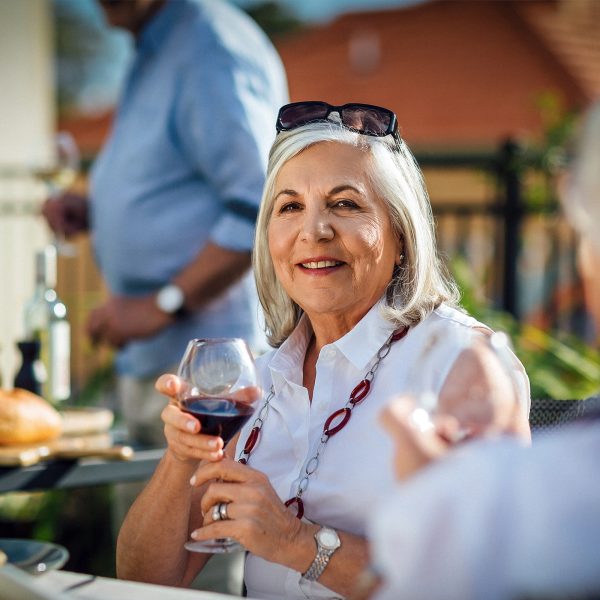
(46, 322)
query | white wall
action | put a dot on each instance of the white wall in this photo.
(26, 126)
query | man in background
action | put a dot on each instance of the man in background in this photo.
(175, 191)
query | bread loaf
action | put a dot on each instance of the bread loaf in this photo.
(25, 418)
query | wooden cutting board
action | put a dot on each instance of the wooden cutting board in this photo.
(85, 434)
(67, 447)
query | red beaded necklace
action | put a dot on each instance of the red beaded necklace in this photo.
(333, 424)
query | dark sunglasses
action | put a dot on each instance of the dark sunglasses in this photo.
(362, 118)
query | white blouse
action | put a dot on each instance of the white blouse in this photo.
(355, 470)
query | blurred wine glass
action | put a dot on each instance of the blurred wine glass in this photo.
(59, 176)
(472, 385)
(220, 389)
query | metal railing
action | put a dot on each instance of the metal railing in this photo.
(520, 250)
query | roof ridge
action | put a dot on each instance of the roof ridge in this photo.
(573, 41)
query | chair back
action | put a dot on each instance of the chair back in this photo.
(547, 414)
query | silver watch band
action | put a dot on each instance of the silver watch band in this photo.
(328, 542)
(318, 565)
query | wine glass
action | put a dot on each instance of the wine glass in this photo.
(59, 176)
(494, 392)
(219, 388)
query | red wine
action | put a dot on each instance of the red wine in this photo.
(218, 416)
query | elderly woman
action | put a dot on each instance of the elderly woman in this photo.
(350, 283)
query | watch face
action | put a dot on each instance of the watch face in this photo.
(328, 539)
(170, 298)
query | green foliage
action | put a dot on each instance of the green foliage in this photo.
(559, 366)
(99, 384)
(548, 156)
(80, 520)
(557, 122)
(21, 506)
(274, 18)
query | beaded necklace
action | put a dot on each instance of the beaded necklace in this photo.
(333, 424)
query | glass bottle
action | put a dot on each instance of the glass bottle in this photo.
(46, 322)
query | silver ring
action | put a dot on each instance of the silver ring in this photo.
(223, 511)
(216, 512)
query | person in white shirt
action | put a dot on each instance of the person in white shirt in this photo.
(351, 284)
(493, 519)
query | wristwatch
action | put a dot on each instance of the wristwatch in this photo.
(170, 299)
(328, 542)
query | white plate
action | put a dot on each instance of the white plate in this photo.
(32, 556)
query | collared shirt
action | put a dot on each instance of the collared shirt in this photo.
(185, 164)
(497, 521)
(356, 468)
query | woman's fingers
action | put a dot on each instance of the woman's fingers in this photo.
(172, 415)
(245, 507)
(168, 385)
(227, 470)
(238, 509)
(197, 447)
(184, 437)
(250, 493)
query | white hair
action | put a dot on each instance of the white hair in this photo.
(417, 286)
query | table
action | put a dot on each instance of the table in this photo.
(61, 474)
(62, 585)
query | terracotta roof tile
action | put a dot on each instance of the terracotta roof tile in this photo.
(460, 73)
(571, 29)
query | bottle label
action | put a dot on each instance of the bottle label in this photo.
(60, 361)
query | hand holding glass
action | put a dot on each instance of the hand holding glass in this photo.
(60, 176)
(482, 390)
(219, 388)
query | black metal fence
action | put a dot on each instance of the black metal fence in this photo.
(519, 249)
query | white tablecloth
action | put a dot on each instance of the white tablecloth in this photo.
(65, 584)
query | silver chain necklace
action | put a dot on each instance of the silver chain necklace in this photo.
(333, 424)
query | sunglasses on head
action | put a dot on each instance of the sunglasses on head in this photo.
(362, 118)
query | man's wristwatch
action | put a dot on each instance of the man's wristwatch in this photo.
(328, 542)
(170, 299)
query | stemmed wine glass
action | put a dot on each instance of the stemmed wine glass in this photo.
(220, 389)
(495, 388)
(59, 176)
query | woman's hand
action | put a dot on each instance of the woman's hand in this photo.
(185, 441)
(257, 518)
(260, 521)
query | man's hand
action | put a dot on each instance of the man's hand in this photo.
(67, 215)
(415, 446)
(122, 319)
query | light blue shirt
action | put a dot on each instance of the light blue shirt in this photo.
(185, 164)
